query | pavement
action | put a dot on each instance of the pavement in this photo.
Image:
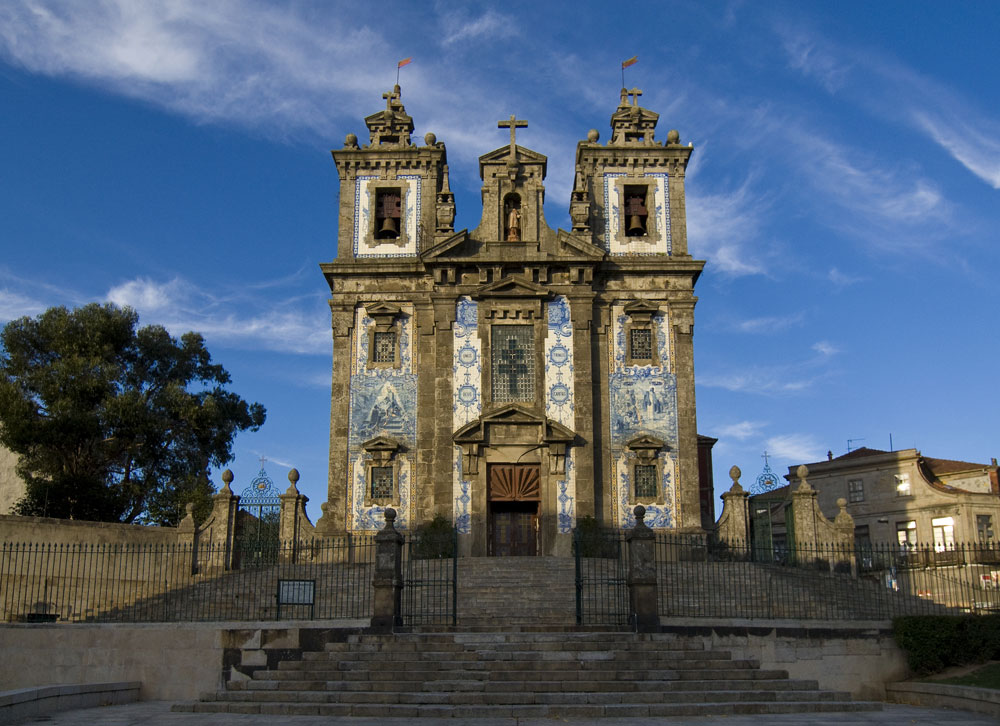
(157, 713)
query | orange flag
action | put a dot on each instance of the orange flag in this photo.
(403, 62)
(631, 61)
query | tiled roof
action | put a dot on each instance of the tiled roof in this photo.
(949, 466)
(859, 453)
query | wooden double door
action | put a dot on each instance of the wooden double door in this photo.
(514, 493)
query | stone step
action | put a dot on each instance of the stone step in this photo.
(584, 710)
(590, 686)
(487, 655)
(526, 698)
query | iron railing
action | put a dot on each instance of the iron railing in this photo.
(323, 579)
(601, 557)
(700, 578)
(430, 579)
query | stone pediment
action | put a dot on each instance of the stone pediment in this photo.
(645, 441)
(382, 308)
(524, 156)
(548, 431)
(574, 244)
(642, 310)
(512, 287)
(450, 245)
(382, 443)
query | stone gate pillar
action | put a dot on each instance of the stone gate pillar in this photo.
(388, 579)
(642, 575)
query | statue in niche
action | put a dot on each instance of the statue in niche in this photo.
(512, 212)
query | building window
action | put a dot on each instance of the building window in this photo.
(645, 481)
(636, 214)
(984, 527)
(641, 344)
(906, 534)
(856, 490)
(902, 485)
(513, 353)
(382, 483)
(388, 210)
(944, 533)
(384, 347)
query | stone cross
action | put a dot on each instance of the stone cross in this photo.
(390, 97)
(513, 125)
(635, 93)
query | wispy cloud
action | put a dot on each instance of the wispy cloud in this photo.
(459, 27)
(761, 380)
(769, 323)
(14, 305)
(841, 279)
(794, 448)
(825, 348)
(892, 91)
(741, 431)
(290, 326)
(722, 225)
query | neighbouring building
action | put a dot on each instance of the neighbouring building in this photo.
(11, 485)
(907, 498)
(513, 378)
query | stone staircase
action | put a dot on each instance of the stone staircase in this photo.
(520, 674)
(516, 593)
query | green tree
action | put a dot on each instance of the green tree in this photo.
(112, 422)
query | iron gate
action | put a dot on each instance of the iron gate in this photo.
(258, 524)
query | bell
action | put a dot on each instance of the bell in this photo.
(388, 230)
(635, 226)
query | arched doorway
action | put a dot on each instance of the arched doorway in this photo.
(514, 493)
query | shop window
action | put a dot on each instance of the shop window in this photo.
(902, 485)
(855, 490)
(984, 527)
(944, 533)
(906, 534)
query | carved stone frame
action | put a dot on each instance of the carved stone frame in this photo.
(372, 188)
(653, 233)
(641, 314)
(645, 451)
(387, 319)
(380, 452)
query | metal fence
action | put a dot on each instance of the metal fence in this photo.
(430, 578)
(701, 578)
(324, 579)
(601, 577)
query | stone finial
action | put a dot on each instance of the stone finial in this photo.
(735, 474)
(593, 135)
(293, 477)
(351, 141)
(640, 515)
(430, 139)
(189, 509)
(841, 503)
(227, 479)
(673, 137)
(390, 518)
(802, 472)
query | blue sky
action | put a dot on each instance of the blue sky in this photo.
(844, 189)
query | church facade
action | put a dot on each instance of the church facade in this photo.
(513, 378)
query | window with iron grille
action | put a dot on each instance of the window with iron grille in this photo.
(641, 340)
(513, 353)
(384, 347)
(381, 480)
(856, 490)
(645, 481)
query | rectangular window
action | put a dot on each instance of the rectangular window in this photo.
(902, 485)
(513, 352)
(641, 342)
(906, 534)
(645, 481)
(381, 480)
(984, 527)
(384, 347)
(856, 490)
(944, 533)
